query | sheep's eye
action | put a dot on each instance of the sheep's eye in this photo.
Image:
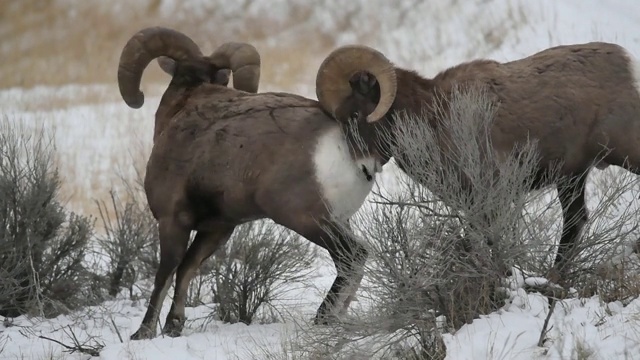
(355, 115)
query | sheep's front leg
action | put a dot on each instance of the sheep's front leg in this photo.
(349, 256)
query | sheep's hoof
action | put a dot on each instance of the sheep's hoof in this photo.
(325, 319)
(143, 333)
(173, 328)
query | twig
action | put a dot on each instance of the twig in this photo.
(544, 331)
(116, 329)
(36, 278)
(77, 347)
(72, 349)
(415, 205)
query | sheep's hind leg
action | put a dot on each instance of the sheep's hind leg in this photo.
(173, 244)
(203, 246)
(630, 163)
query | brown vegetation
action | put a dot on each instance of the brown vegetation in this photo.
(58, 42)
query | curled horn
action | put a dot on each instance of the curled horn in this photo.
(244, 61)
(332, 80)
(144, 46)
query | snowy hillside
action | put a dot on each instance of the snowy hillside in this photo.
(98, 137)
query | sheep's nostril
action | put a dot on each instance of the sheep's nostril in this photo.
(367, 174)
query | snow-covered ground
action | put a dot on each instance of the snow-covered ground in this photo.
(426, 36)
(577, 326)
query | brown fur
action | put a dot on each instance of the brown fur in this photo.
(222, 157)
(578, 101)
(210, 126)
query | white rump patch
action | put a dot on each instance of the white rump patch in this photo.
(635, 70)
(343, 182)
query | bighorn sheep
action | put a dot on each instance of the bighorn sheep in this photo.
(222, 157)
(580, 102)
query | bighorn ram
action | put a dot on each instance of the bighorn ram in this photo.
(222, 157)
(580, 102)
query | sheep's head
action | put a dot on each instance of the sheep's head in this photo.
(180, 57)
(356, 81)
(220, 77)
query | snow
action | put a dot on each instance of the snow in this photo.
(426, 36)
(607, 331)
(536, 281)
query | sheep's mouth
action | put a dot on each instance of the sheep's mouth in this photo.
(366, 173)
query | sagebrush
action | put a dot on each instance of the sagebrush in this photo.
(254, 267)
(42, 245)
(435, 262)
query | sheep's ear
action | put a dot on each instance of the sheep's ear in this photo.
(167, 64)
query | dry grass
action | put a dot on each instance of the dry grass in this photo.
(87, 163)
(59, 42)
(46, 98)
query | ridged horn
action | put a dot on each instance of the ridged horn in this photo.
(332, 80)
(244, 61)
(146, 45)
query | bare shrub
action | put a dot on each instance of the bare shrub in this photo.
(525, 224)
(42, 246)
(255, 268)
(91, 346)
(486, 192)
(606, 262)
(470, 196)
(430, 269)
(130, 240)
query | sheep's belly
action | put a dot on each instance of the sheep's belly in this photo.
(343, 183)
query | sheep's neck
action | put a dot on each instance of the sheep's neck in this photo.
(172, 101)
(413, 94)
